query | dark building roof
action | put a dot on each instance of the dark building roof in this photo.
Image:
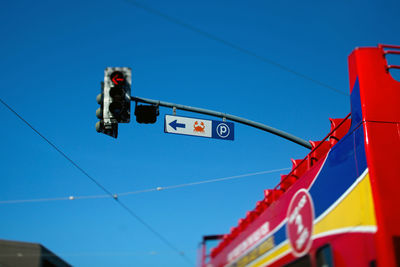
(24, 254)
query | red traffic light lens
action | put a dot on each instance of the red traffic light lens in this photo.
(117, 78)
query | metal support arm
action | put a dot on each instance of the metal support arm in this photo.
(254, 124)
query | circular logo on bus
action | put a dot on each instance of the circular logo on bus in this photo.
(299, 226)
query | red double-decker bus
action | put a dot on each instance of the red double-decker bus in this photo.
(340, 205)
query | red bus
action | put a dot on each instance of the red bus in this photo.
(340, 205)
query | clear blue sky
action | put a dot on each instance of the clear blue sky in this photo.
(53, 55)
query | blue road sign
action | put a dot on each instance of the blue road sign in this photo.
(223, 130)
(199, 127)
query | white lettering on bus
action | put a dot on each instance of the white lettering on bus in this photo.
(256, 236)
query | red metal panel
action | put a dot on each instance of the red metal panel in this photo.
(287, 181)
(340, 131)
(299, 167)
(319, 150)
(352, 71)
(379, 92)
(382, 148)
(380, 99)
(389, 46)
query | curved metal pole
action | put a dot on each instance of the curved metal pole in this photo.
(254, 124)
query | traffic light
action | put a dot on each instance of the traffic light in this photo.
(114, 100)
(146, 113)
(117, 90)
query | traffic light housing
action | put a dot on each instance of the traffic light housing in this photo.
(146, 113)
(117, 92)
(114, 100)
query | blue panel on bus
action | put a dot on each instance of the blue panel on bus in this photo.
(337, 175)
(345, 162)
(280, 235)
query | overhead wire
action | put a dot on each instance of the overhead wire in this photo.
(230, 44)
(154, 189)
(98, 184)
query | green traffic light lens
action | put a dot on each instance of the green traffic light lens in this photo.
(116, 108)
(99, 99)
(99, 113)
(99, 126)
